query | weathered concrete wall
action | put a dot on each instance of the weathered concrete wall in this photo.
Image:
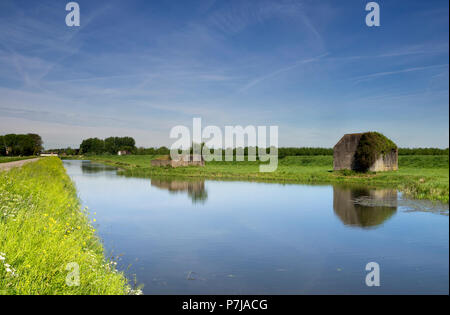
(161, 162)
(187, 163)
(389, 162)
(180, 163)
(344, 156)
(344, 152)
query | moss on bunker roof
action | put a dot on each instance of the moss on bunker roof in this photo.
(370, 147)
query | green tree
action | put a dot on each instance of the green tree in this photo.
(2, 146)
(10, 142)
(126, 144)
(111, 146)
(37, 143)
(24, 145)
(92, 146)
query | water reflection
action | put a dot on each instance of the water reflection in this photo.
(92, 168)
(254, 238)
(363, 207)
(195, 189)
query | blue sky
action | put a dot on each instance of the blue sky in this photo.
(139, 68)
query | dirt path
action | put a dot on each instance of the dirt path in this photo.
(10, 165)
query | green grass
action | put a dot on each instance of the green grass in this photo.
(421, 177)
(43, 229)
(6, 159)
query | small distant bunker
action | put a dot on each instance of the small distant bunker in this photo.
(190, 160)
(369, 151)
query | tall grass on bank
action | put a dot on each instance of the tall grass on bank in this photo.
(43, 229)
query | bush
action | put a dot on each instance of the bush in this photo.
(370, 147)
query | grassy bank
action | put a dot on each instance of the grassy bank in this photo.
(421, 177)
(6, 159)
(43, 229)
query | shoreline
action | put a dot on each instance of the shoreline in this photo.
(429, 183)
(50, 238)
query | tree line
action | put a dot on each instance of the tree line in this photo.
(422, 151)
(282, 152)
(20, 144)
(32, 144)
(304, 151)
(110, 145)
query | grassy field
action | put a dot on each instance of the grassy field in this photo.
(421, 177)
(43, 230)
(6, 159)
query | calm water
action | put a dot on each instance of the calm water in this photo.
(212, 237)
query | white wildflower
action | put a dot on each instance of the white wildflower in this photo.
(135, 292)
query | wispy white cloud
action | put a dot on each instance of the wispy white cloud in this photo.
(388, 73)
(235, 16)
(279, 71)
(410, 50)
(28, 39)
